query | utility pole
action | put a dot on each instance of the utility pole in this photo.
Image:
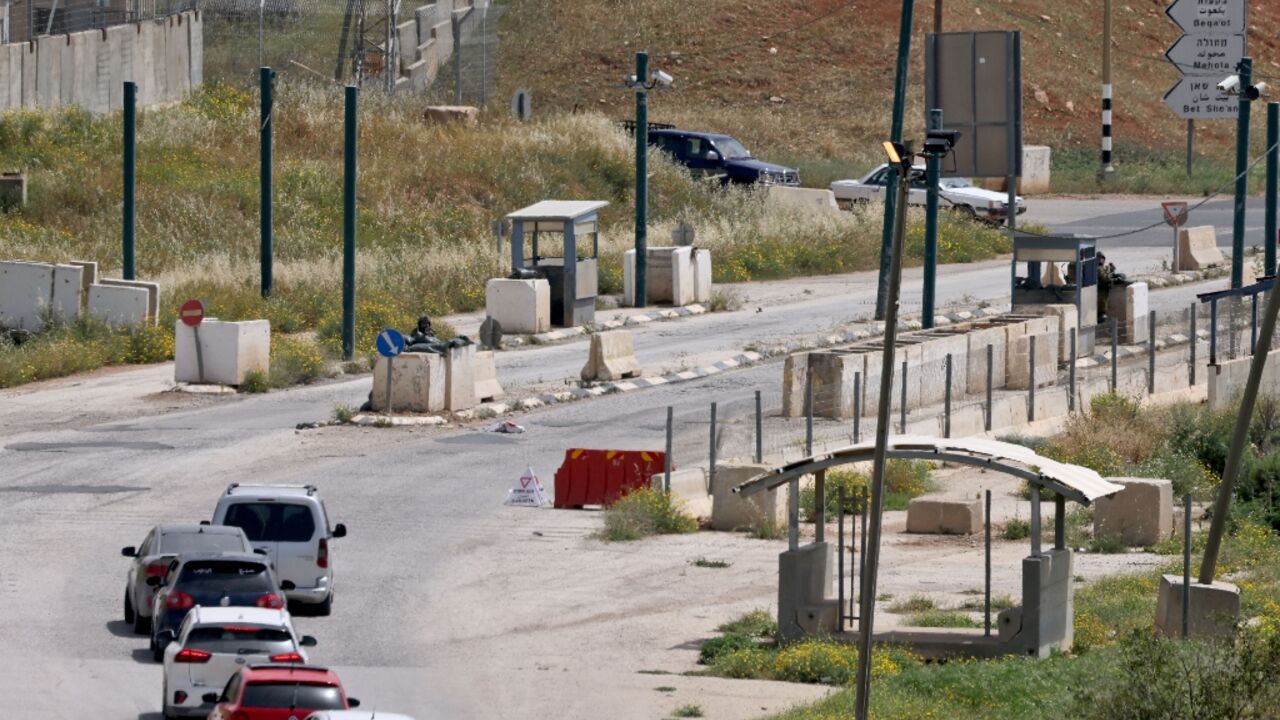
(895, 135)
(901, 156)
(130, 122)
(933, 165)
(1273, 169)
(1107, 168)
(266, 81)
(1242, 175)
(937, 16)
(642, 178)
(349, 223)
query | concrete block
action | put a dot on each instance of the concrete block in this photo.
(118, 305)
(88, 278)
(702, 275)
(228, 350)
(11, 56)
(460, 378)
(407, 37)
(152, 289)
(1068, 321)
(84, 86)
(1213, 611)
(981, 335)
(1227, 379)
(443, 114)
(804, 582)
(68, 298)
(944, 517)
(178, 53)
(795, 370)
(611, 357)
(486, 376)
(1018, 373)
(417, 383)
(1009, 623)
(48, 71)
(195, 43)
(669, 276)
(1048, 603)
(1035, 178)
(731, 511)
(26, 289)
(629, 278)
(690, 487)
(13, 189)
(805, 198)
(520, 306)
(67, 62)
(442, 33)
(1198, 248)
(833, 374)
(1136, 313)
(30, 71)
(1141, 515)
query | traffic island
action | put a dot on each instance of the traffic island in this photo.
(1213, 612)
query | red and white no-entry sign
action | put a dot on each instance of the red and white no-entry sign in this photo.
(192, 313)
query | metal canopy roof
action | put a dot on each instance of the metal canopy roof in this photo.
(558, 210)
(1072, 481)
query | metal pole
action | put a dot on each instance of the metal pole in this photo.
(1059, 522)
(1253, 324)
(867, 599)
(1013, 144)
(890, 201)
(759, 429)
(820, 506)
(1242, 175)
(1071, 375)
(1191, 147)
(349, 224)
(1031, 381)
(266, 81)
(1213, 332)
(1035, 520)
(857, 407)
(902, 408)
(457, 59)
(666, 461)
(1192, 371)
(946, 401)
(990, 380)
(840, 554)
(808, 414)
(711, 472)
(793, 515)
(389, 362)
(1238, 438)
(1151, 353)
(130, 122)
(933, 165)
(1115, 347)
(1186, 564)
(937, 16)
(1273, 174)
(986, 593)
(862, 552)
(1107, 168)
(195, 331)
(391, 64)
(642, 178)
(261, 12)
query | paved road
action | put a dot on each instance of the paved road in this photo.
(1109, 216)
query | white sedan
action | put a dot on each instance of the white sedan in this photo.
(955, 193)
(214, 643)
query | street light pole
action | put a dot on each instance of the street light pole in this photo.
(642, 176)
(933, 164)
(895, 135)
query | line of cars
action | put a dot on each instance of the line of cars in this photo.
(214, 599)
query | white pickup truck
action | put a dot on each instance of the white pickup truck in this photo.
(955, 193)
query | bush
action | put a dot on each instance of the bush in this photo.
(913, 604)
(646, 511)
(295, 360)
(903, 480)
(854, 485)
(80, 345)
(758, 624)
(941, 619)
(1016, 529)
(753, 663)
(723, 644)
(816, 661)
(255, 381)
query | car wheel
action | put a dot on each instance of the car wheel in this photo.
(128, 608)
(967, 211)
(326, 607)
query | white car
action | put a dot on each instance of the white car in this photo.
(355, 715)
(290, 525)
(214, 643)
(953, 192)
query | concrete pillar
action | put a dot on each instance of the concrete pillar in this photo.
(805, 576)
(1213, 613)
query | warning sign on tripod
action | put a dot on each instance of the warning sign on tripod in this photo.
(528, 492)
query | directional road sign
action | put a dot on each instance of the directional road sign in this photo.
(1198, 98)
(390, 343)
(1207, 55)
(192, 313)
(1209, 17)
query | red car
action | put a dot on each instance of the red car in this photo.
(279, 692)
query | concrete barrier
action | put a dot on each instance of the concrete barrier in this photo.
(611, 357)
(806, 198)
(488, 388)
(228, 350)
(1214, 611)
(68, 292)
(26, 291)
(152, 289)
(1068, 320)
(1018, 373)
(1141, 515)
(417, 383)
(1198, 248)
(702, 275)
(442, 114)
(460, 378)
(1227, 379)
(670, 276)
(731, 511)
(519, 306)
(690, 487)
(87, 278)
(944, 517)
(1035, 178)
(1128, 305)
(119, 306)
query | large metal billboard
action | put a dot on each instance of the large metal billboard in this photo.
(975, 78)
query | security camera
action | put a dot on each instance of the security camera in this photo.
(1255, 91)
(663, 79)
(1230, 85)
(629, 79)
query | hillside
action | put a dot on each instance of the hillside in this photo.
(810, 81)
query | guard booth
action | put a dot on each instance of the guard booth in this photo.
(1058, 270)
(559, 240)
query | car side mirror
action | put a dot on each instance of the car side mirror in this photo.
(209, 697)
(713, 155)
(205, 522)
(339, 530)
(260, 551)
(155, 581)
(129, 551)
(287, 585)
(353, 703)
(307, 641)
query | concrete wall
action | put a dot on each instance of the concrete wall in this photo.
(1227, 379)
(425, 41)
(88, 68)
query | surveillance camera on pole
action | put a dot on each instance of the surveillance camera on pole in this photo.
(641, 83)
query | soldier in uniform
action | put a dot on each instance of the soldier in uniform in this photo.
(1106, 278)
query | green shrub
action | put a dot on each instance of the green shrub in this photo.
(753, 663)
(941, 619)
(766, 527)
(854, 485)
(913, 604)
(342, 413)
(816, 661)
(1016, 529)
(687, 711)
(723, 644)
(255, 381)
(295, 360)
(758, 624)
(646, 511)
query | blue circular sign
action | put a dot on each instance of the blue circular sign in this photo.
(390, 343)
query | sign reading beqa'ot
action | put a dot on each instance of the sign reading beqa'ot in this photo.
(529, 492)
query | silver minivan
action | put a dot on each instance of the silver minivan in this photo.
(290, 525)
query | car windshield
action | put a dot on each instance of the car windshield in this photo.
(242, 640)
(225, 576)
(272, 521)
(293, 695)
(730, 148)
(180, 543)
(952, 183)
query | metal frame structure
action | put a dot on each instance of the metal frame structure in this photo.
(1078, 250)
(573, 283)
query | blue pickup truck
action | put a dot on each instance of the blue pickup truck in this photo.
(715, 155)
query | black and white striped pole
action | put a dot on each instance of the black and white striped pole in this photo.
(1107, 168)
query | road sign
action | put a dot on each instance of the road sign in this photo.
(682, 234)
(521, 105)
(191, 313)
(1208, 17)
(1198, 98)
(1175, 212)
(529, 492)
(390, 343)
(1209, 55)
